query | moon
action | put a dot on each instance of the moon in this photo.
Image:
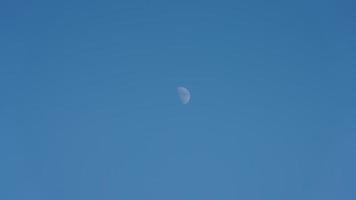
(184, 95)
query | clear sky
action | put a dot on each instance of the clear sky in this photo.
(89, 108)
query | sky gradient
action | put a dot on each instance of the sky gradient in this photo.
(89, 107)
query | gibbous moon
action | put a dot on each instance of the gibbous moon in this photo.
(184, 94)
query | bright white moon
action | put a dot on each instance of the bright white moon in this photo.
(184, 94)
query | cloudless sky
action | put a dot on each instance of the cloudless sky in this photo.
(89, 108)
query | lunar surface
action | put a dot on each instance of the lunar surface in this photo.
(184, 95)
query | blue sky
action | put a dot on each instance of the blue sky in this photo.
(89, 108)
